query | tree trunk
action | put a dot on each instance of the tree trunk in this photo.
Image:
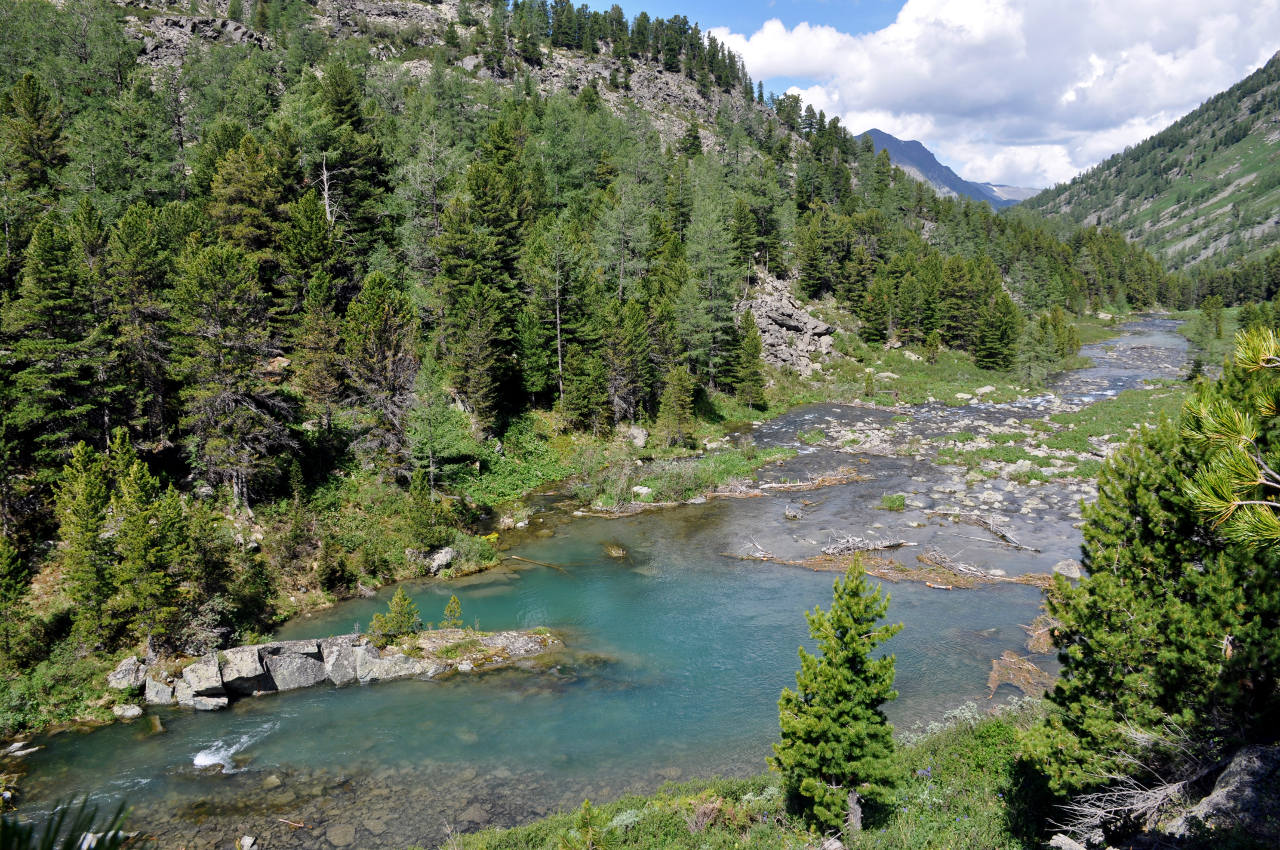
(853, 818)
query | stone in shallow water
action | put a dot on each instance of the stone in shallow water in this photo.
(341, 834)
(1070, 568)
(209, 703)
(126, 712)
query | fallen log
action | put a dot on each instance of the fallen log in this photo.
(990, 523)
(850, 544)
(538, 563)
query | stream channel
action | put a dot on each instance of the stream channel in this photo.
(675, 654)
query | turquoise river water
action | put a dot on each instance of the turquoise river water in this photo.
(675, 656)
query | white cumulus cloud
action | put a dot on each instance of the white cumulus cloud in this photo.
(1024, 92)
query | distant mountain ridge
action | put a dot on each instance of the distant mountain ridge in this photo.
(918, 161)
(1205, 191)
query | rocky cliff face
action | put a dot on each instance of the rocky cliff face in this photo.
(670, 99)
(791, 336)
(166, 39)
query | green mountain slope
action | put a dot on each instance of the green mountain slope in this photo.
(1203, 192)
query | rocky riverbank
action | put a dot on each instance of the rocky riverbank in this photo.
(213, 681)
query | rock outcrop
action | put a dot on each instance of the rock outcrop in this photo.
(166, 39)
(212, 681)
(790, 335)
(1246, 797)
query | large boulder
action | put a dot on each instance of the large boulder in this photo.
(242, 671)
(1246, 797)
(339, 660)
(373, 666)
(293, 647)
(203, 676)
(1069, 568)
(127, 712)
(158, 693)
(183, 694)
(209, 703)
(290, 671)
(129, 673)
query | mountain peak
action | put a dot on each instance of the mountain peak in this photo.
(918, 161)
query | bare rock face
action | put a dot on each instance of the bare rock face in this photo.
(790, 336)
(166, 39)
(373, 666)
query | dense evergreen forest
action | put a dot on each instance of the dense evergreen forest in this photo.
(275, 315)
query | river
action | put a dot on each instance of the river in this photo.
(675, 654)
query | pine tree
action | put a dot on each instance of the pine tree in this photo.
(234, 417)
(691, 141)
(999, 327)
(452, 614)
(31, 129)
(14, 581)
(137, 267)
(480, 367)
(585, 402)
(320, 366)
(308, 247)
(675, 408)
(32, 155)
(380, 338)
(83, 495)
(877, 311)
(628, 355)
(57, 352)
(150, 532)
(245, 201)
(1170, 628)
(836, 745)
(401, 619)
(750, 377)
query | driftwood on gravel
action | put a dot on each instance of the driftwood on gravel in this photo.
(938, 558)
(989, 522)
(844, 475)
(850, 544)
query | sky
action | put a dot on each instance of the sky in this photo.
(1021, 92)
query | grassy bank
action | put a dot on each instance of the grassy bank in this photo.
(958, 789)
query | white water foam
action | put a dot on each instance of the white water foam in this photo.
(223, 752)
